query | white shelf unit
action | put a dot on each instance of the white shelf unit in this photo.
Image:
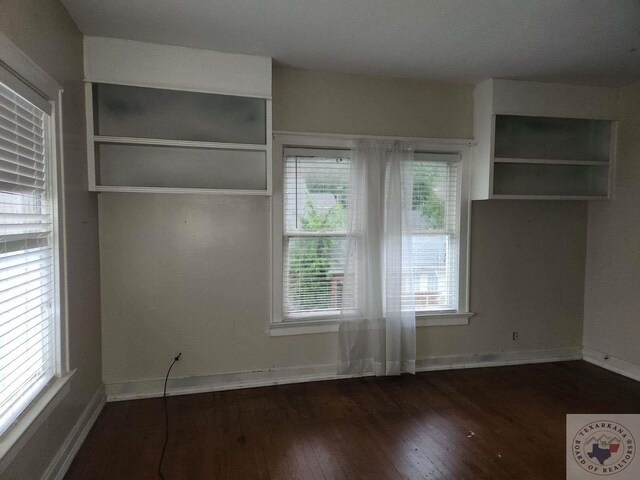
(175, 165)
(166, 119)
(543, 141)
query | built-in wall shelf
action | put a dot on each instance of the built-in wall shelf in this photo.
(546, 161)
(168, 141)
(205, 130)
(175, 143)
(543, 141)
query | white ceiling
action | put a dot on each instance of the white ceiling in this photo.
(574, 41)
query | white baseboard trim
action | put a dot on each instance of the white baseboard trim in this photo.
(275, 376)
(67, 452)
(630, 370)
(497, 359)
(223, 381)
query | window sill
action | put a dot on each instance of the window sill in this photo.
(18, 434)
(443, 319)
(305, 327)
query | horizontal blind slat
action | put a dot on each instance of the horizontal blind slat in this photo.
(23, 204)
(20, 139)
(10, 373)
(11, 147)
(27, 305)
(26, 300)
(35, 125)
(27, 286)
(20, 288)
(21, 189)
(23, 256)
(30, 134)
(28, 275)
(10, 229)
(23, 375)
(434, 243)
(11, 268)
(25, 346)
(11, 106)
(30, 378)
(35, 314)
(32, 262)
(313, 186)
(21, 218)
(12, 100)
(316, 201)
(12, 161)
(19, 180)
(34, 327)
(25, 392)
(21, 170)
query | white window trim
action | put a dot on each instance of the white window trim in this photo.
(277, 324)
(20, 73)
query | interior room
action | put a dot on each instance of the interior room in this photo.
(319, 240)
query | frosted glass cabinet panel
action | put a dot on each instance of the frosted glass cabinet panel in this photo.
(140, 112)
(180, 167)
(550, 180)
(552, 138)
(537, 141)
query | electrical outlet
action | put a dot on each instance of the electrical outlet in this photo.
(515, 336)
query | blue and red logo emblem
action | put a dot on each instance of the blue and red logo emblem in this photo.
(603, 447)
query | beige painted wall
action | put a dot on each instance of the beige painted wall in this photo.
(191, 273)
(612, 287)
(44, 30)
(527, 275)
(356, 104)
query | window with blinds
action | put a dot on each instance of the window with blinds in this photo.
(436, 231)
(316, 185)
(316, 199)
(27, 288)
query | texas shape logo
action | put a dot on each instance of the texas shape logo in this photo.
(604, 447)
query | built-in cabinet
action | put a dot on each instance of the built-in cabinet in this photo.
(543, 141)
(151, 130)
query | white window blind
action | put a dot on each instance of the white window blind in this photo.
(316, 187)
(436, 231)
(316, 184)
(27, 288)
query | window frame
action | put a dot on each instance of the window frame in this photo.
(287, 235)
(278, 325)
(21, 74)
(448, 232)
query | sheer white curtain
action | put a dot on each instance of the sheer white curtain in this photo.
(377, 328)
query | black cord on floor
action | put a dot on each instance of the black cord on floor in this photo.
(166, 416)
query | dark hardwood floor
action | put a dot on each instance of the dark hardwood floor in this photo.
(489, 423)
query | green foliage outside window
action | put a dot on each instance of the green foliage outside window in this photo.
(425, 198)
(311, 258)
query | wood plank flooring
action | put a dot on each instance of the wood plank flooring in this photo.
(489, 423)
